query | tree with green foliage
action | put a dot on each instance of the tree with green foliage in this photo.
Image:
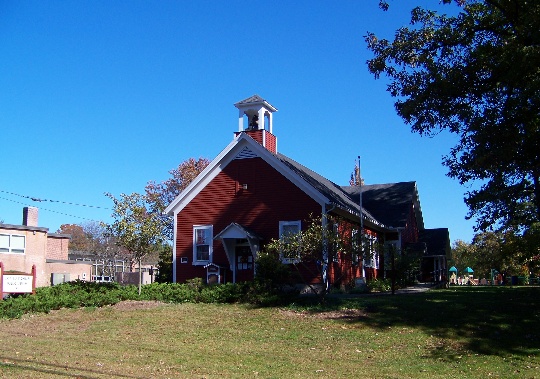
(502, 251)
(159, 195)
(135, 227)
(475, 74)
(165, 264)
(313, 249)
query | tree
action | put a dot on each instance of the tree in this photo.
(502, 251)
(464, 255)
(165, 264)
(313, 249)
(135, 228)
(79, 239)
(531, 241)
(160, 195)
(475, 74)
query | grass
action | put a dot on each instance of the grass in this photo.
(465, 332)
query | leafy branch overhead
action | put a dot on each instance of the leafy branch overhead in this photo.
(475, 74)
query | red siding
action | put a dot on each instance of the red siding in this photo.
(410, 234)
(268, 199)
(263, 137)
(345, 270)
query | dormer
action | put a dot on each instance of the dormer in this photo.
(255, 119)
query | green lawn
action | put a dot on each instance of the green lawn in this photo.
(465, 332)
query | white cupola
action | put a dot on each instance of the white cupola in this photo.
(255, 119)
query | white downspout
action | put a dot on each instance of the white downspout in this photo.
(173, 250)
(325, 262)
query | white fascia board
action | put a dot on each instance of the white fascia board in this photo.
(206, 175)
(224, 158)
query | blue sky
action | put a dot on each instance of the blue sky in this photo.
(104, 96)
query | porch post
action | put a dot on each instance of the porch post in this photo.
(325, 263)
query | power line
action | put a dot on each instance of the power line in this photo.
(50, 210)
(37, 199)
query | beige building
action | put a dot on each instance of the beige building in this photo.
(22, 246)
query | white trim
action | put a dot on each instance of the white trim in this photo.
(10, 248)
(174, 260)
(210, 243)
(281, 225)
(229, 154)
(373, 261)
(199, 182)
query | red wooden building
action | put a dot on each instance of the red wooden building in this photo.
(251, 193)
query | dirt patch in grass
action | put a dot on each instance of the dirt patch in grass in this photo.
(132, 305)
(344, 314)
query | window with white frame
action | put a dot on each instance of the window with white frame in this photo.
(12, 243)
(335, 247)
(202, 244)
(371, 258)
(355, 245)
(287, 230)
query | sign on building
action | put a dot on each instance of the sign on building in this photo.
(17, 282)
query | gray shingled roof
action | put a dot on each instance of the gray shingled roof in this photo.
(389, 203)
(255, 99)
(251, 99)
(334, 192)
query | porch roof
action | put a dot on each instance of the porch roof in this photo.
(235, 230)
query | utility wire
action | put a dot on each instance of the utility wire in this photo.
(52, 201)
(50, 210)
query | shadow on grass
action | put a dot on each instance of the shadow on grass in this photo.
(10, 365)
(484, 320)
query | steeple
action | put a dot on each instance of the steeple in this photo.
(257, 114)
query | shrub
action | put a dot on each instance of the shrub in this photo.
(379, 285)
(90, 294)
(272, 274)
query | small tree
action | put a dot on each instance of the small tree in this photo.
(312, 250)
(135, 228)
(165, 264)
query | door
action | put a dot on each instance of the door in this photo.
(244, 264)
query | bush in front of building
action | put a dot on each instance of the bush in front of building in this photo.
(78, 294)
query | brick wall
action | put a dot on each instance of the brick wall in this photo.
(30, 216)
(264, 137)
(57, 246)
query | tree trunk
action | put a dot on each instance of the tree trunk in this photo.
(140, 276)
(536, 181)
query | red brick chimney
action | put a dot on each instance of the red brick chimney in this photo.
(30, 216)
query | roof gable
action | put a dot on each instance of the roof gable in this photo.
(242, 147)
(235, 230)
(385, 205)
